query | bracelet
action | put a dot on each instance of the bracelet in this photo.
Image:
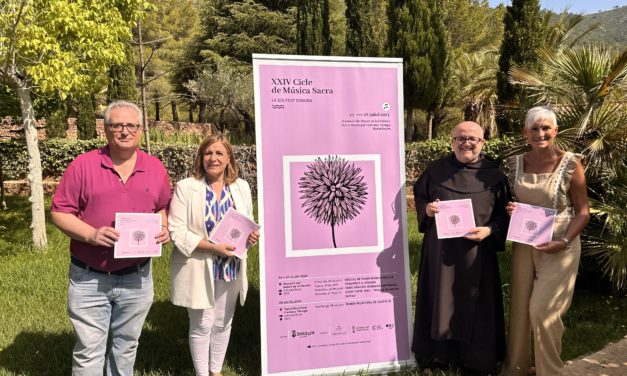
(565, 240)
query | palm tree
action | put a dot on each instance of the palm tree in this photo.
(559, 32)
(586, 86)
(476, 74)
(610, 250)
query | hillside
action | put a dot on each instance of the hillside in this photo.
(613, 30)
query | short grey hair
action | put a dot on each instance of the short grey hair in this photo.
(122, 104)
(538, 113)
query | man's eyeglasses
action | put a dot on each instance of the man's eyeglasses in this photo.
(117, 127)
(471, 140)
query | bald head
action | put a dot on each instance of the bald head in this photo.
(467, 141)
(468, 127)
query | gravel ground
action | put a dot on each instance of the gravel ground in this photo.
(610, 361)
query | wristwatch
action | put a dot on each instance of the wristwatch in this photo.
(565, 240)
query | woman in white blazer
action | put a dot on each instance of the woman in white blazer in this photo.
(206, 278)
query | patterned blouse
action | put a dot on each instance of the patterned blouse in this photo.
(224, 268)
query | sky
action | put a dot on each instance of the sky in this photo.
(575, 6)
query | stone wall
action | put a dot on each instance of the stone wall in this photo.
(10, 130)
(22, 188)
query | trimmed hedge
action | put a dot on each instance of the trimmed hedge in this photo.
(419, 154)
(56, 154)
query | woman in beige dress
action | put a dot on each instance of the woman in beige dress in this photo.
(543, 276)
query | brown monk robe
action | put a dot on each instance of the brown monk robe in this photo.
(459, 307)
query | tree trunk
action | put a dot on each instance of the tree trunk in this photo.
(142, 84)
(191, 111)
(221, 125)
(429, 125)
(416, 132)
(409, 127)
(4, 204)
(175, 111)
(471, 112)
(72, 111)
(434, 128)
(438, 118)
(493, 131)
(35, 180)
(201, 112)
(249, 122)
(157, 110)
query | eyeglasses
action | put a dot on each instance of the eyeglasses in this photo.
(118, 127)
(471, 140)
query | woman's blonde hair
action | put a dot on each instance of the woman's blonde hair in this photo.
(231, 172)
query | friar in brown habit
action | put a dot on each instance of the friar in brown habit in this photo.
(459, 306)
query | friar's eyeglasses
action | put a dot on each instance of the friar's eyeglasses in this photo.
(471, 140)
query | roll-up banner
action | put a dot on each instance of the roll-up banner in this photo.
(334, 278)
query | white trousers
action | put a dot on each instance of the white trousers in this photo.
(209, 329)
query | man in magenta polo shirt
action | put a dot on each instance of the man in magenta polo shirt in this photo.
(108, 295)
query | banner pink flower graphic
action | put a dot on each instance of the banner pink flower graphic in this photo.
(333, 191)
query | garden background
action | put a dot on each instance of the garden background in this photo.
(190, 61)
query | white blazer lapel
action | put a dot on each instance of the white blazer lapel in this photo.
(198, 207)
(238, 199)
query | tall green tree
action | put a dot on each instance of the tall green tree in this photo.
(234, 30)
(86, 119)
(313, 28)
(360, 28)
(167, 29)
(327, 42)
(521, 41)
(280, 5)
(417, 34)
(226, 89)
(122, 82)
(239, 29)
(57, 46)
(472, 25)
(56, 122)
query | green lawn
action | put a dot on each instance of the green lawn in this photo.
(36, 336)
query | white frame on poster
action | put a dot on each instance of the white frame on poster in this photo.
(270, 59)
(289, 252)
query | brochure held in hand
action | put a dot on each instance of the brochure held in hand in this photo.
(531, 224)
(234, 229)
(137, 235)
(454, 219)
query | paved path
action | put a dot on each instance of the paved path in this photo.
(610, 361)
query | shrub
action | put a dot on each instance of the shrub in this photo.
(56, 123)
(56, 154)
(160, 136)
(419, 154)
(13, 159)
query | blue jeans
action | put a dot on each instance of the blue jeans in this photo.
(100, 305)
